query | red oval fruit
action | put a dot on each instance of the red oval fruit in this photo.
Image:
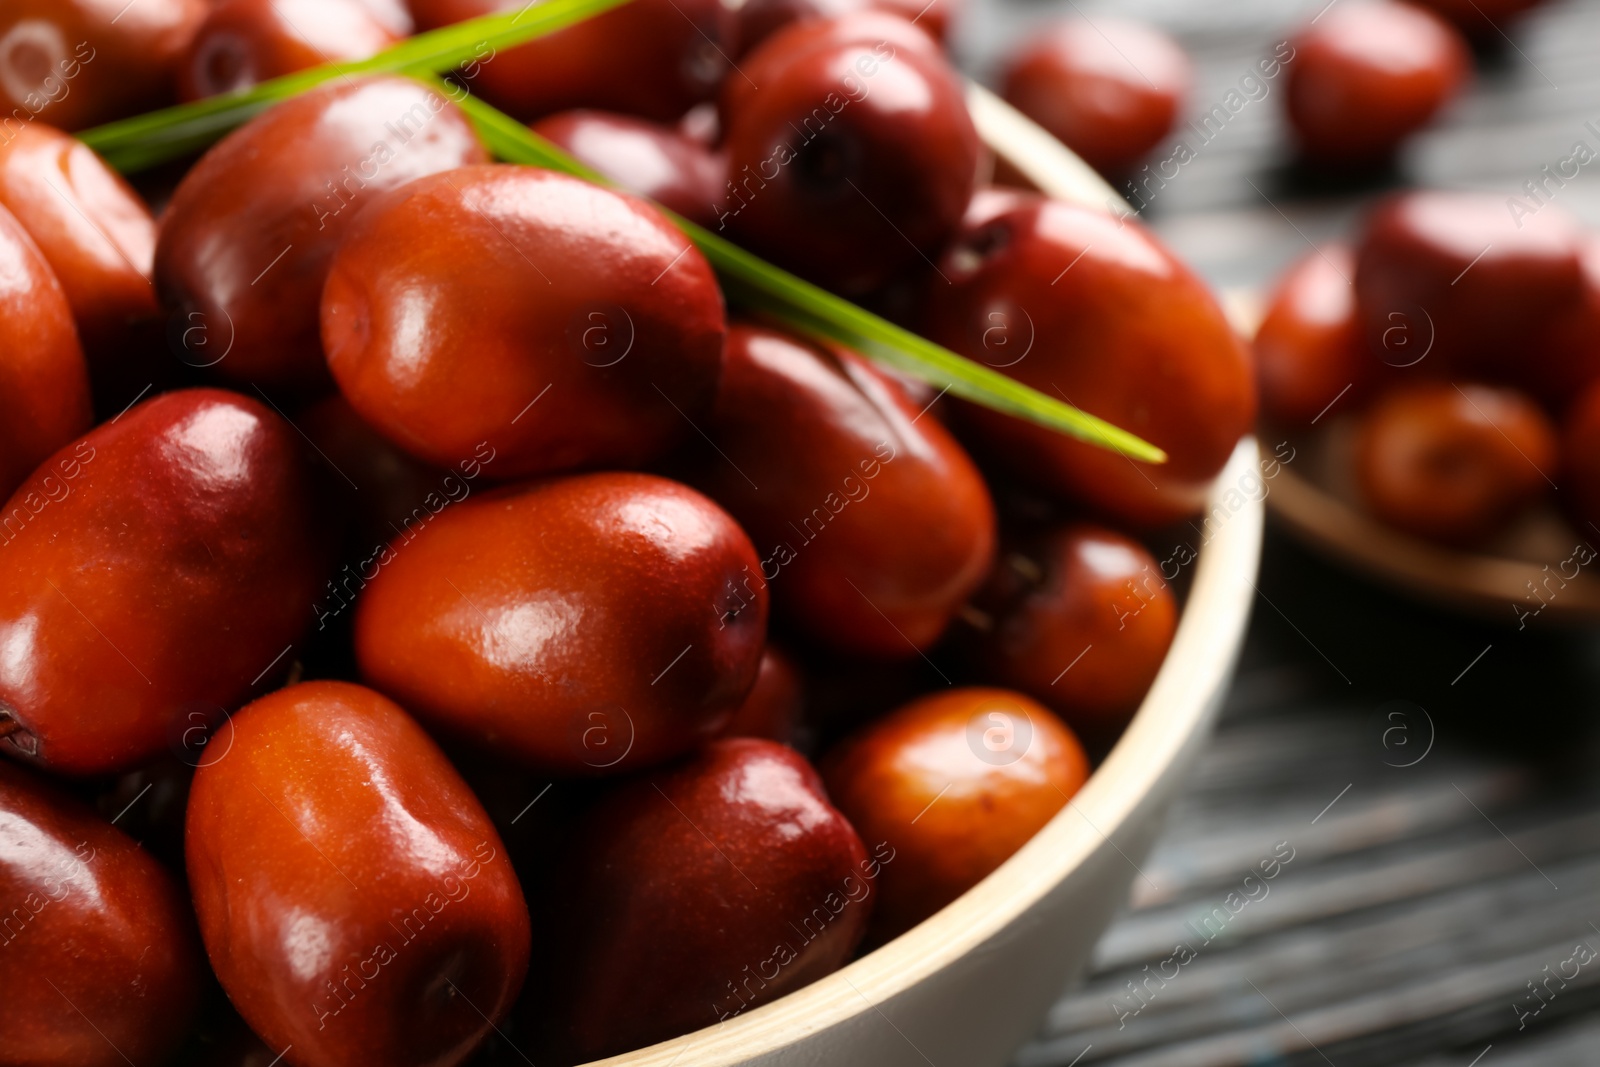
(1580, 458)
(76, 63)
(44, 383)
(245, 245)
(1453, 462)
(1080, 618)
(1094, 311)
(593, 624)
(1310, 351)
(953, 784)
(1369, 73)
(856, 157)
(652, 58)
(1564, 356)
(873, 526)
(776, 701)
(1109, 90)
(97, 947)
(743, 884)
(99, 239)
(161, 566)
(1480, 19)
(356, 902)
(242, 43)
(458, 304)
(656, 162)
(1466, 280)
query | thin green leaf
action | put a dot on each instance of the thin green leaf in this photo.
(819, 313)
(148, 140)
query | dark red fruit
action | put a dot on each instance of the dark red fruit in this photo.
(245, 42)
(656, 162)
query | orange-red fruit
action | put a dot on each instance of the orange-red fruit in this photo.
(953, 783)
(44, 383)
(77, 63)
(855, 157)
(872, 524)
(1369, 73)
(1311, 355)
(97, 235)
(245, 245)
(356, 902)
(776, 701)
(1471, 280)
(681, 879)
(1080, 618)
(652, 58)
(97, 949)
(1453, 463)
(245, 42)
(1095, 312)
(565, 324)
(657, 162)
(155, 571)
(1109, 90)
(593, 624)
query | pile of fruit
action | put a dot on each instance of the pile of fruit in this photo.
(422, 592)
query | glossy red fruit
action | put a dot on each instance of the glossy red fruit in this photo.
(652, 58)
(1079, 618)
(1580, 459)
(44, 383)
(97, 947)
(656, 162)
(1564, 356)
(99, 239)
(1367, 74)
(1453, 463)
(160, 566)
(1311, 354)
(242, 43)
(856, 157)
(1095, 312)
(593, 624)
(455, 307)
(748, 24)
(1110, 90)
(1480, 19)
(743, 884)
(1465, 280)
(77, 63)
(776, 701)
(934, 16)
(952, 784)
(354, 898)
(245, 245)
(872, 524)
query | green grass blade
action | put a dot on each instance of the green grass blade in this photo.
(819, 313)
(145, 141)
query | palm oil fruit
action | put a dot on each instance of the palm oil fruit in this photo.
(354, 898)
(100, 240)
(1453, 462)
(952, 784)
(242, 43)
(701, 891)
(44, 381)
(78, 63)
(1110, 90)
(659, 163)
(157, 570)
(566, 325)
(1368, 75)
(855, 158)
(872, 524)
(775, 704)
(98, 954)
(1311, 353)
(245, 244)
(1080, 618)
(589, 625)
(1094, 311)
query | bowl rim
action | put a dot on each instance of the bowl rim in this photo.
(1179, 704)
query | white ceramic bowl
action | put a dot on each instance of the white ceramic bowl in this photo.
(968, 986)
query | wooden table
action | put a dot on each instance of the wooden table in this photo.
(1434, 779)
